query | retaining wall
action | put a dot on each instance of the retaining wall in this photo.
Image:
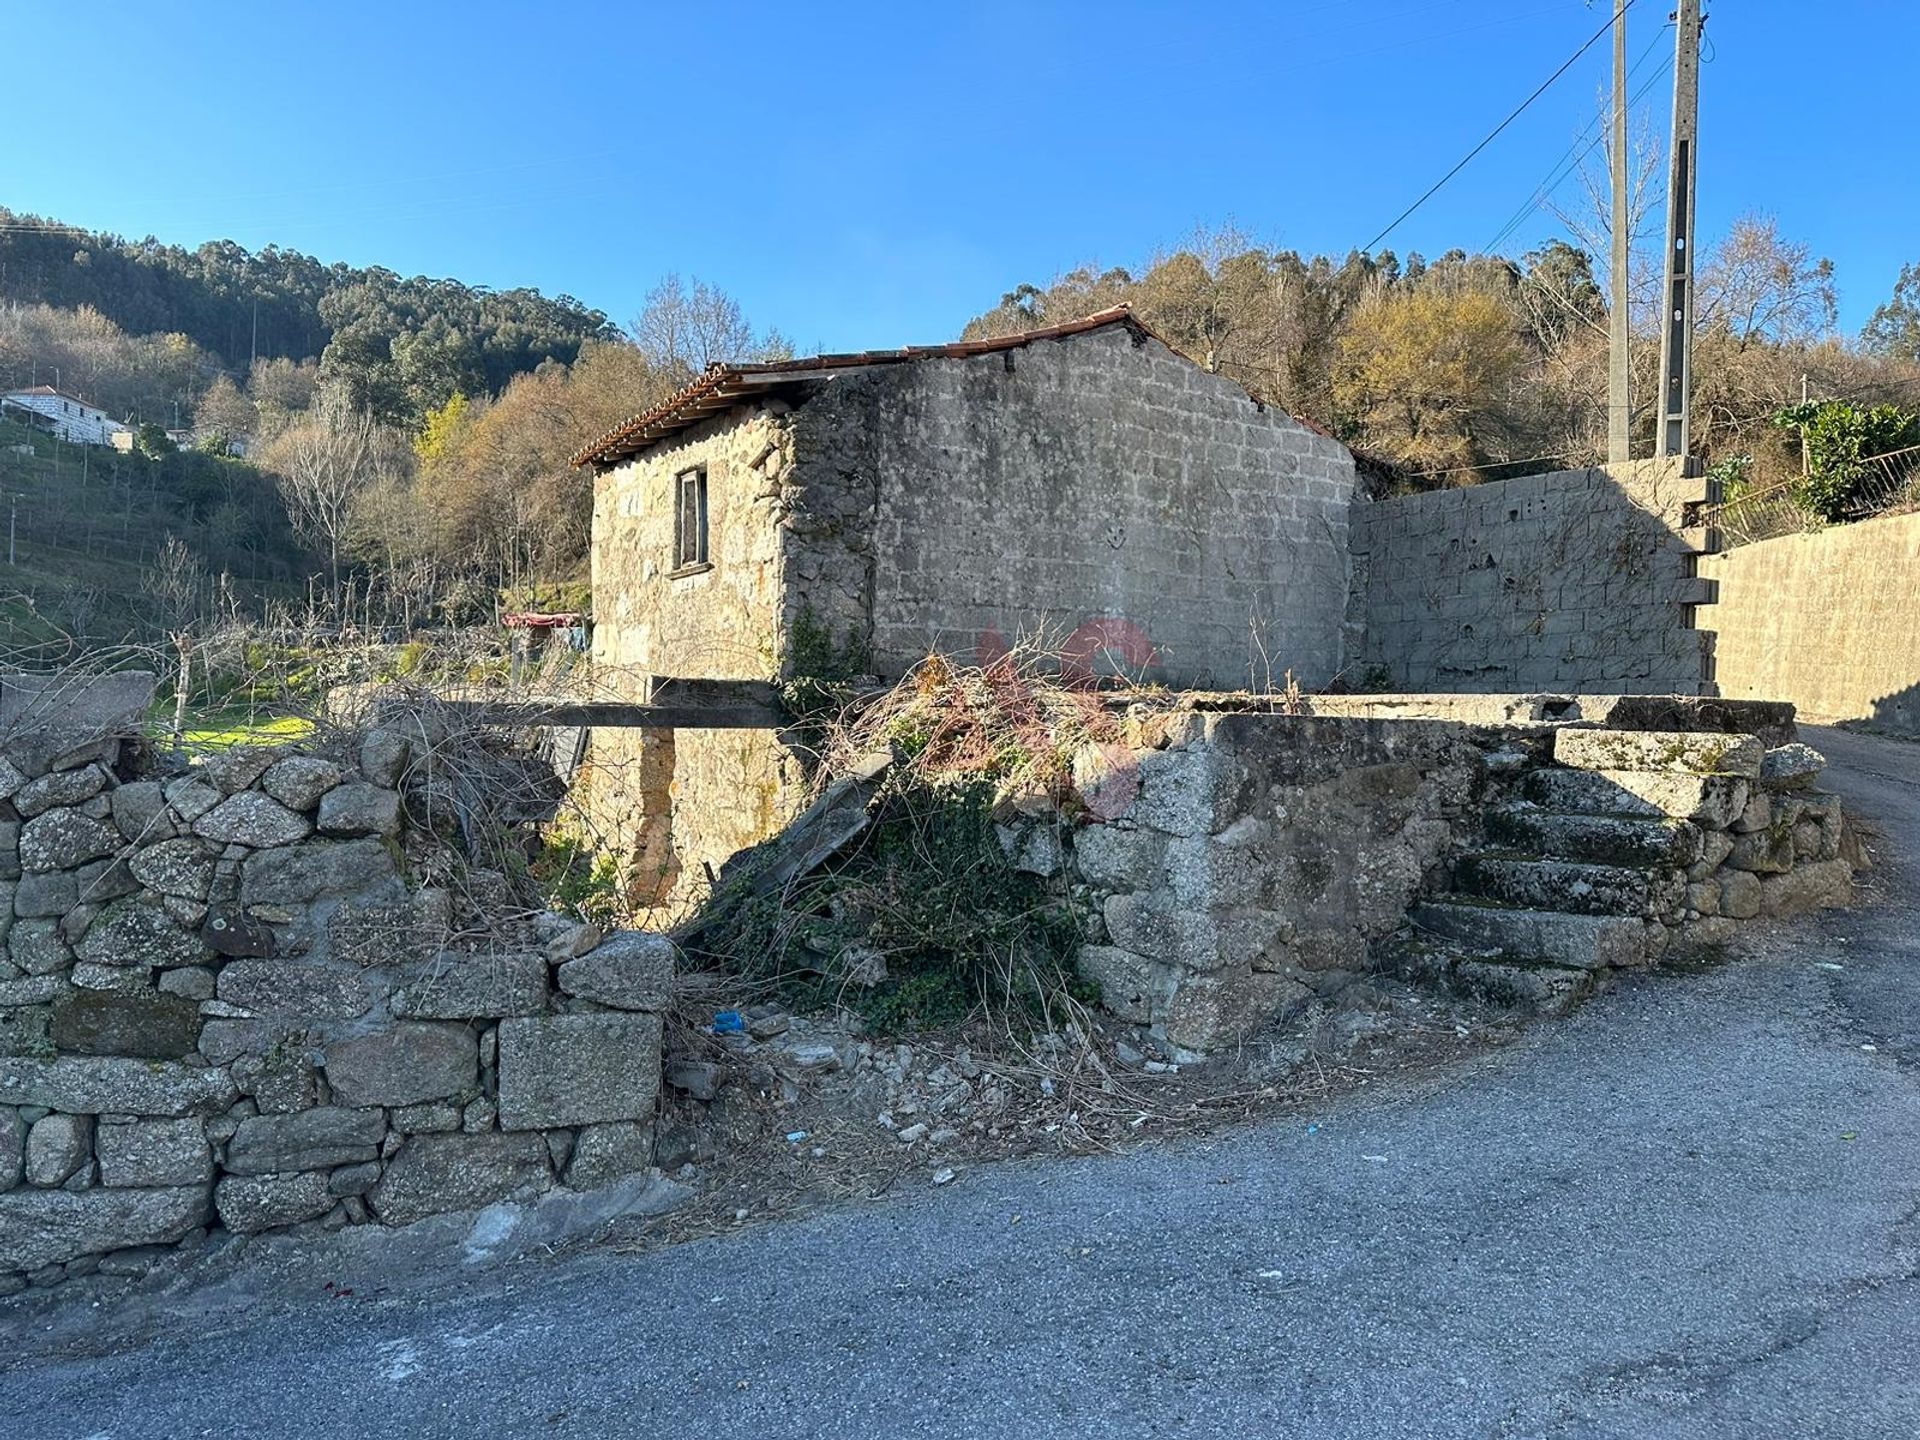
(1262, 857)
(1829, 621)
(1579, 580)
(225, 1000)
(1240, 864)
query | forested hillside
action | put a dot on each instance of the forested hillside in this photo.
(406, 441)
(401, 346)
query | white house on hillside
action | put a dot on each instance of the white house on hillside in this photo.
(61, 415)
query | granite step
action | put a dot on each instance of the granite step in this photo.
(1658, 751)
(1603, 839)
(1573, 886)
(1712, 800)
(1523, 985)
(1552, 937)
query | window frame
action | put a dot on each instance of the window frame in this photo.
(692, 553)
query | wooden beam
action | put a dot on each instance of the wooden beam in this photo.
(686, 690)
(616, 715)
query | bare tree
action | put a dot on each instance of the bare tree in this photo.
(685, 328)
(1589, 220)
(177, 585)
(1759, 287)
(324, 464)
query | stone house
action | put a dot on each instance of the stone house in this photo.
(1084, 483)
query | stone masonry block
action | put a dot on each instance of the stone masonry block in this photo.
(1710, 800)
(50, 1227)
(437, 1174)
(140, 1153)
(404, 1065)
(1679, 752)
(578, 1069)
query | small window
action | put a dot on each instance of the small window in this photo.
(690, 519)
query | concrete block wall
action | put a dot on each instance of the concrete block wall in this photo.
(1829, 621)
(1099, 483)
(1578, 580)
(223, 1002)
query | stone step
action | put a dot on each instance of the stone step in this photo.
(1605, 839)
(1667, 752)
(1541, 989)
(1712, 800)
(1573, 886)
(1552, 937)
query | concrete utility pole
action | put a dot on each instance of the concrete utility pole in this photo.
(1676, 330)
(1619, 369)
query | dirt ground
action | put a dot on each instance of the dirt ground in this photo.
(808, 1111)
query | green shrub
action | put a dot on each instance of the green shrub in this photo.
(1840, 438)
(571, 875)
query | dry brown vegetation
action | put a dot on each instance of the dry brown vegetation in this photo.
(1479, 366)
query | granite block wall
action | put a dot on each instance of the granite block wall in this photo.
(225, 1001)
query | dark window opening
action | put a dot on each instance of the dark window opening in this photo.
(690, 519)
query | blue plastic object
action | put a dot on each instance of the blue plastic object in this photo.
(729, 1022)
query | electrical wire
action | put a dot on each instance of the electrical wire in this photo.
(1494, 134)
(1583, 145)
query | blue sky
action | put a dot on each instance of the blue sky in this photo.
(874, 174)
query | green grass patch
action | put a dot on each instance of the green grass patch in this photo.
(224, 729)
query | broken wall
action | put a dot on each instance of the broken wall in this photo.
(1829, 621)
(224, 1001)
(1579, 580)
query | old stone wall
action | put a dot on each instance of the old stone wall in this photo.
(1262, 860)
(671, 804)
(1829, 621)
(1097, 484)
(1580, 580)
(1264, 855)
(715, 621)
(224, 1000)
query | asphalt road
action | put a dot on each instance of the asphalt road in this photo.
(1693, 1209)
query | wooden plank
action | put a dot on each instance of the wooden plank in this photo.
(825, 827)
(815, 836)
(616, 715)
(685, 690)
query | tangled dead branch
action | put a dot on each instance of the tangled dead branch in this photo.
(949, 903)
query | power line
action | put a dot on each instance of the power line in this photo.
(1494, 134)
(1583, 146)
